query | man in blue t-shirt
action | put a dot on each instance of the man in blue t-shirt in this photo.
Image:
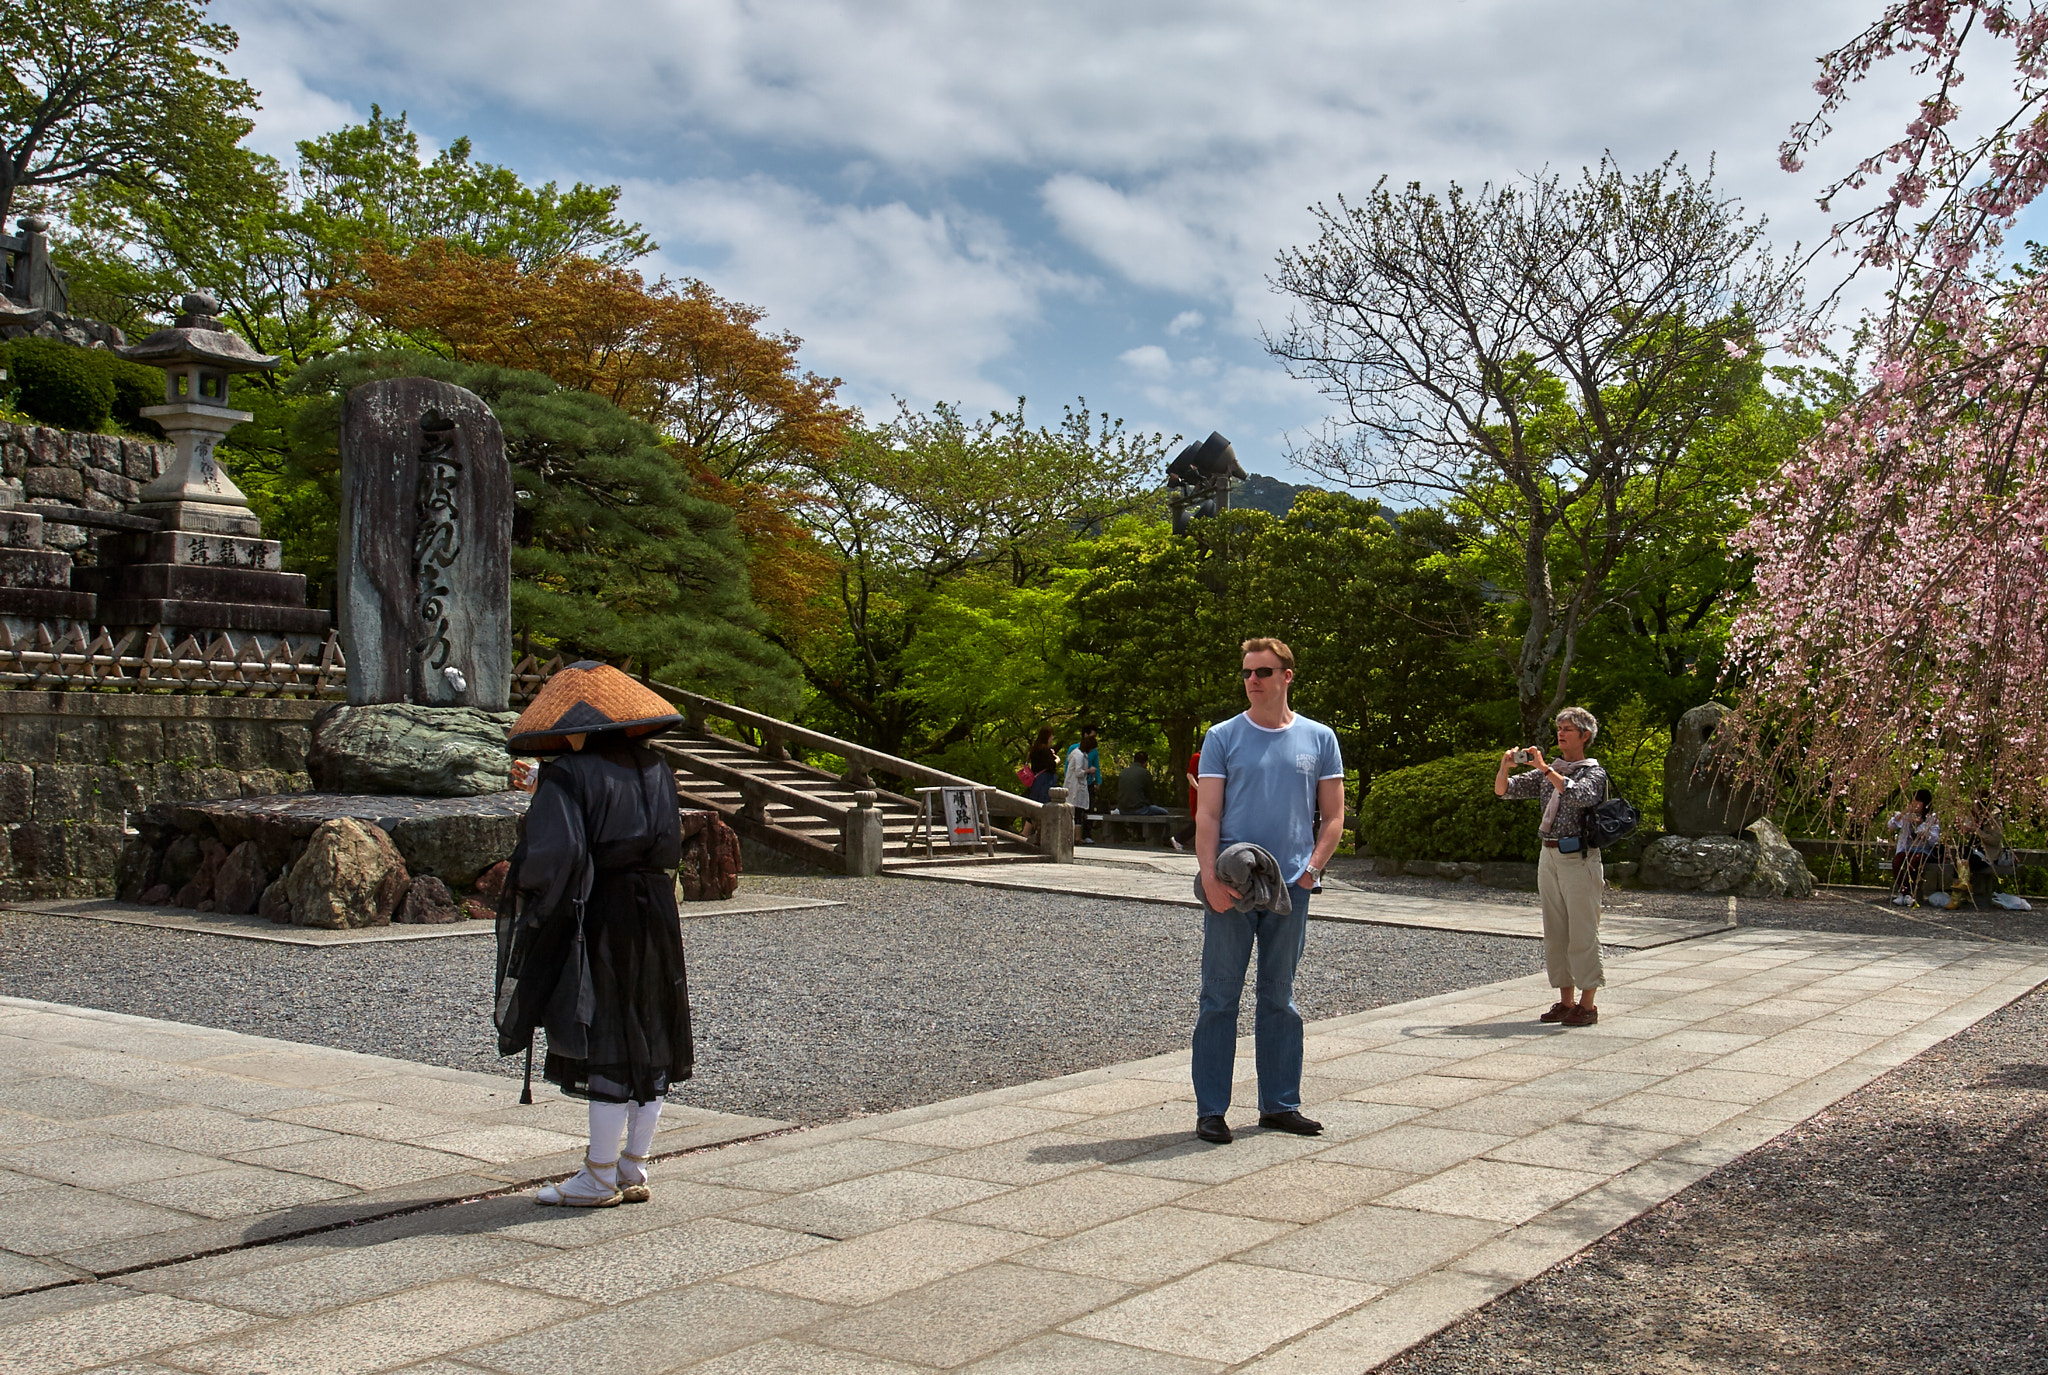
(1268, 778)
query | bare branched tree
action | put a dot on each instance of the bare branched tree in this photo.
(1544, 356)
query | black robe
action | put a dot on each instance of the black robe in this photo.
(590, 945)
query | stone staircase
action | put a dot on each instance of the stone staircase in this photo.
(842, 822)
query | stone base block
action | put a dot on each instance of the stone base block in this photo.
(34, 604)
(192, 550)
(180, 618)
(202, 520)
(193, 583)
(455, 839)
(20, 567)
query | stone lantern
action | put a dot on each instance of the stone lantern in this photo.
(198, 355)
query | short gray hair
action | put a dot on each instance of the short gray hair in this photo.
(1583, 719)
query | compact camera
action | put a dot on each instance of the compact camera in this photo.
(1525, 756)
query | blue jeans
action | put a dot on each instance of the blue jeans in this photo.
(1227, 941)
(1150, 809)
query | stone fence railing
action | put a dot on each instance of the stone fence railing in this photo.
(145, 661)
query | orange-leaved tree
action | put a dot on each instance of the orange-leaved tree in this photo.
(736, 406)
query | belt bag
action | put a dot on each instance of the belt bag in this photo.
(1570, 845)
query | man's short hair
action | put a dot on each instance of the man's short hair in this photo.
(1266, 644)
(1583, 719)
(1141, 758)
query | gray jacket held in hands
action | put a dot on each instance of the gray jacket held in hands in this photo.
(1253, 872)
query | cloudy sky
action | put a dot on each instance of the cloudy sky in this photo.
(976, 201)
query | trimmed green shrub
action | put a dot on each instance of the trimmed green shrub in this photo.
(60, 384)
(1446, 810)
(135, 385)
(73, 388)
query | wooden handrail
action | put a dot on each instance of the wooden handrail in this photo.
(1000, 803)
(749, 785)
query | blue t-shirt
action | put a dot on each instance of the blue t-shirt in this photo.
(1269, 784)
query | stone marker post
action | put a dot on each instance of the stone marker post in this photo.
(1056, 827)
(861, 836)
(425, 547)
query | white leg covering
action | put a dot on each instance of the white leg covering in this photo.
(607, 1129)
(640, 1125)
(641, 1120)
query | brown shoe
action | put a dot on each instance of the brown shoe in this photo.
(1558, 1012)
(1582, 1016)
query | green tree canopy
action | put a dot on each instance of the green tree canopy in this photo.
(126, 93)
(615, 554)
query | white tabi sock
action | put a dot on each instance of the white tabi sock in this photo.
(641, 1122)
(607, 1127)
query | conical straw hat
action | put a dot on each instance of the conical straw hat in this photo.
(587, 698)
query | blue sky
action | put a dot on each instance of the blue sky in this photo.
(971, 202)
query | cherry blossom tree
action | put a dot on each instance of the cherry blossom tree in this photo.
(1899, 632)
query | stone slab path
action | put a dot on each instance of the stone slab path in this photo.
(1069, 1225)
(127, 1142)
(257, 929)
(1162, 877)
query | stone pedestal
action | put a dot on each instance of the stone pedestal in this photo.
(861, 837)
(35, 582)
(425, 547)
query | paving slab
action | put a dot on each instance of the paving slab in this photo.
(105, 1170)
(1071, 1224)
(254, 928)
(1169, 880)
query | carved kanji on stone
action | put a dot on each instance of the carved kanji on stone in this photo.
(425, 549)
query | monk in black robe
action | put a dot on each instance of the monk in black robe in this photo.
(590, 942)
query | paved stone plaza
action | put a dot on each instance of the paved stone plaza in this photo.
(1065, 1225)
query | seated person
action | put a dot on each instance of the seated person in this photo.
(1134, 789)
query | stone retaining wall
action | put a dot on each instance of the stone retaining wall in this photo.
(100, 472)
(73, 764)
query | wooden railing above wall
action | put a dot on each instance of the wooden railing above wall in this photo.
(147, 661)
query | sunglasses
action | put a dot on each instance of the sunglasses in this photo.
(1263, 671)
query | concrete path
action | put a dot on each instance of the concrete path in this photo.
(1164, 877)
(127, 1142)
(1070, 1225)
(257, 929)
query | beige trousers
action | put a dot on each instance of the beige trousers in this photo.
(1570, 886)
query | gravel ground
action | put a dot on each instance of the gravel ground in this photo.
(1855, 911)
(1902, 1232)
(911, 993)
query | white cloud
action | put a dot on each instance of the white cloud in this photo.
(892, 299)
(814, 157)
(1147, 360)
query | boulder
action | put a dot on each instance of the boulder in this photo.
(351, 875)
(491, 882)
(238, 888)
(135, 870)
(212, 855)
(478, 911)
(1700, 795)
(710, 868)
(155, 897)
(458, 849)
(180, 861)
(428, 902)
(276, 904)
(1781, 871)
(1704, 864)
(419, 751)
(1508, 874)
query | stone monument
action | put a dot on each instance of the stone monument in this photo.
(425, 554)
(1701, 794)
(1718, 838)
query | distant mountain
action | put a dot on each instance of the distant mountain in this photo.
(1261, 493)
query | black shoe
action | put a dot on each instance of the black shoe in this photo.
(1291, 1121)
(1213, 1129)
